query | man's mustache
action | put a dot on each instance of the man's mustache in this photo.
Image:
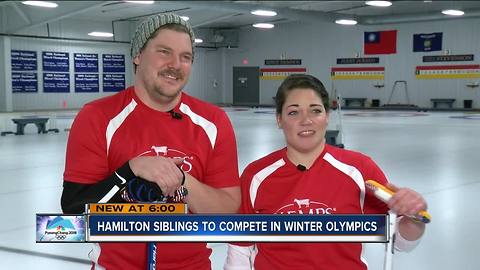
(172, 72)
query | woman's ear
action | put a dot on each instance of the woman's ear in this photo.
(279, 123)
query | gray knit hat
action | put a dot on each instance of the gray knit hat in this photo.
(146, 29)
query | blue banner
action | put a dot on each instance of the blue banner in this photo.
(55, 61)
(85, 62)
(23, 60)
(24, 82)
(427, 42)
(56, 82)
(113, 82)
(249, 228)
(113, 62)
(86, 83)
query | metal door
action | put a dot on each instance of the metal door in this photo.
(246, 84)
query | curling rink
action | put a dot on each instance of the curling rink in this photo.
(435, 153)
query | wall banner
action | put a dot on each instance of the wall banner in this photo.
(448, 58)
(86, 83)
(277, 62)
(279, 73)
(56, 82)
(55, 61)
(113, 82)
(85, 62)
(447, 72)
(24, 82)
(113, 62)
(358, 73)
(359, 60)
(23, 60)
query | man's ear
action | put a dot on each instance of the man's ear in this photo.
(136, 60)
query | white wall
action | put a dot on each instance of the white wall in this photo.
(206, 80)
(41, 100)
(319, 44)
(66, 29)
(3, 85)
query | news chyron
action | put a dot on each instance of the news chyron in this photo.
(159, 222)
(54, 228)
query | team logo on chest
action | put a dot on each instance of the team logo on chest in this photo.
(164, 151)
(306, 206)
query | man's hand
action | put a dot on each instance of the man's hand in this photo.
(160, 170)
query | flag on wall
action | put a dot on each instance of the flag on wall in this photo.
(427, 42)
(380, 42)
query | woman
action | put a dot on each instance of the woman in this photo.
(311, 177)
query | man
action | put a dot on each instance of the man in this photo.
(156, 134)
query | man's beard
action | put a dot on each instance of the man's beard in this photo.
(168, 94)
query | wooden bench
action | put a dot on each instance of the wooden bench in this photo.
(448, 101)
(40, 122)
(360, 101)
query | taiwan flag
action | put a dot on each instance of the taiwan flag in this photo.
(380, 42)
(427, 42)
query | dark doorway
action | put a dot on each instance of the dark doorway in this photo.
(246, 83)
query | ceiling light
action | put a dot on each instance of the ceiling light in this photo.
(268, 13)
(141, 2)
(40, 4)
(378, 3)
(198, 40)
(263, 25)
(185, 18)
(453, 12)
(100, 34)
(346, 21)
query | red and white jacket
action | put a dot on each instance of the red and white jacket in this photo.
(110, 131)
(335, 184)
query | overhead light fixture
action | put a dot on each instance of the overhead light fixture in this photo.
(185, 18)
(267, 13)
(346, 21)
(40, 4)
(198, 40)
(453, 12)
(141, 2)
(378, 3)
(263, 25)
(100, 34)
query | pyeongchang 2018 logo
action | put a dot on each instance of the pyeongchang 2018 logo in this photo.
(306, 206)
(60, 228)
(164, 151)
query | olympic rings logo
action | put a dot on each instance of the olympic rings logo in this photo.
(60, 236)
